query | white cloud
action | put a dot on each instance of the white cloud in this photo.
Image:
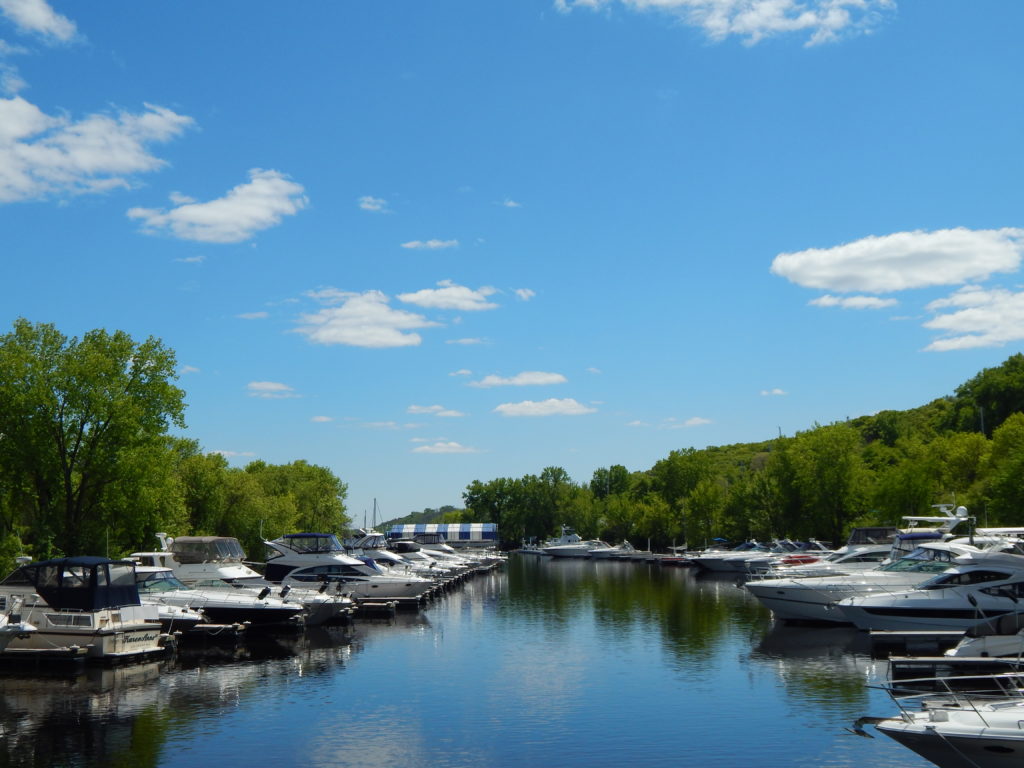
(234, 454)
(434, 410)
(594, 370)
(550, 407)
(509, 203)
(674, 423)
(185, 370)
(259, 204)
(42, 155)
(754, 20)
(461, 372)
(444, 447)
(37, 17)
(776, 392)
(466, 342)
(321, 419)
(380, 425)
(253, 315)
(852, 302)
(979, 318)
(637, 423)
(451, 296)
(361, 320)
(524, 294)
(524, 379)
(430, 245)
(192, 259)
(374, 204)
(271, 390)
(905, 260)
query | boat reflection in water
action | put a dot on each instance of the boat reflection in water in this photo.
(597, 662)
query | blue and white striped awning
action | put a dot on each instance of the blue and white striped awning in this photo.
(485, 532)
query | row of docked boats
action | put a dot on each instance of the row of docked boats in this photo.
(102, 609)
(966, 709)
(570, 544)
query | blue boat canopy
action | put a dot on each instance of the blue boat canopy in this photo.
(454, 533)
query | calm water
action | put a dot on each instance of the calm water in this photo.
(549, 663)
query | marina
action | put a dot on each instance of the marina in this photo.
(593, 661)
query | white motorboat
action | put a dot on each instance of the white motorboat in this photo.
(969, 722)
(815, 598)
(978, 586)
(849, 559)
(222, 605)
(87, 602)
(718, 560)
(622, 551)
(314, 559)
(581, 548)
(218, 563)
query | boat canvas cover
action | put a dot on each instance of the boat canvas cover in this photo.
(452, 532)
(81, 583)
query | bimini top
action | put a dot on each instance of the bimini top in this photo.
(79, 583)
(453, 532)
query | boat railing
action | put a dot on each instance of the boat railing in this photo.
(974, 693)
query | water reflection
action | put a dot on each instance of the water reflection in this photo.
(570, 663)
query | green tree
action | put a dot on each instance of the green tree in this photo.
(75, 414)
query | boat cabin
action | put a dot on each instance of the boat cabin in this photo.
(79, 583)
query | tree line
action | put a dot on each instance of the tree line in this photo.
(966, 449)
(88, 464)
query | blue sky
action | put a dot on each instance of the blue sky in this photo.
(423, 243)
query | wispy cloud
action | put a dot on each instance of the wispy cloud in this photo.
(524, 294)
(451, 296)
(42, 156)
(235, 454)
(467, 342)
(461, 372)
(38, 18)
(361, 320)
(186, 370)
(524, 379)
(551, 407)
(695, 421)
(430, 245)
(270, 390)
(905, 260)
(434, 410)
(754, 20)
(191, 259)
(374, 204)
(852, 302)
(444, 447)
(510, 203)
(249, 208)
(253, 315)
(776, 392)
(321, 419)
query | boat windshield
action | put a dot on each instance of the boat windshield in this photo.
(312, 543)
(207, 550)
(158, 581)
(922, 560)
(961, 578)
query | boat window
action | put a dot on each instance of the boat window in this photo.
(77, 577)
(960, 579)
(69, 619)
(1013, 591)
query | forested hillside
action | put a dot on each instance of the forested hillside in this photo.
(88, 466)
(967, 448)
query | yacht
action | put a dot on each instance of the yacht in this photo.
(88, 602)
(977, 586)
(969, 722)
(218, 563)
(582, 548)
(814, 598)
(160, 586)
(314, 559)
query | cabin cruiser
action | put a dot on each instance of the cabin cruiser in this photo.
(375, 545)
(960, 722)
(582, 548)
(312, 559)
(622, 551)
(1002, 635)
(159, 585)
(422, 562)
(815, 598)
(217, 563)
(978, 586)
(849, 559)
(88, 602)
(716, 560)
